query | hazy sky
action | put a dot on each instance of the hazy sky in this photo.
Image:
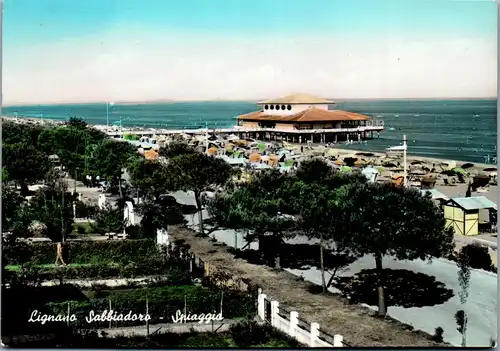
(134, 50)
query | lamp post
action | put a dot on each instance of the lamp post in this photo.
(108, 105)
(404, 161)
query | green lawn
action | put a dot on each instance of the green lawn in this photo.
(48, 266)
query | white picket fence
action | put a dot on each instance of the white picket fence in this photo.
(290, 326)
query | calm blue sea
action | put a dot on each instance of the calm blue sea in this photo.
(457, 129)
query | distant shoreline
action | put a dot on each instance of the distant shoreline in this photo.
(168, 101)
(341, 151)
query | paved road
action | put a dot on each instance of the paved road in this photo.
(482, 305)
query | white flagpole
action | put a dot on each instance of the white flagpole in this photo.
(206, 138)
(404, 160)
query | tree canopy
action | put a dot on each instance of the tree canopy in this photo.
(24, 164)
(385, 220)
(198, 173)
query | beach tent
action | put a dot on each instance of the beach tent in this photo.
(463, 213)
(397, 179)
(255, 157)
(150, 155)
(273, 160)
(370, 173)
(260, 165)
(436, 194)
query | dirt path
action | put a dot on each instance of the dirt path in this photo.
(356, 324)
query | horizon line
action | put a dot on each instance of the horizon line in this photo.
(165, 101)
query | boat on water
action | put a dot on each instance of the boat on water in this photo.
(395, 150)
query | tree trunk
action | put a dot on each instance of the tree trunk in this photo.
(382, 308)
(464, 333)
(197, 198)
(277, 259)
(120, 187)
(330, 281)
(321, 263)
(25, 191)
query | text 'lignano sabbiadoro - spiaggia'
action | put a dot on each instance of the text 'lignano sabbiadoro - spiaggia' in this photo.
(105, 316)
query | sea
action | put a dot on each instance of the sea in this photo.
(464, 130)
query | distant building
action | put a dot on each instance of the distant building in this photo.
(302, 118)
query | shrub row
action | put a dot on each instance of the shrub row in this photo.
(240, 335)
(177, 271)
(163, 303)
(97, 252)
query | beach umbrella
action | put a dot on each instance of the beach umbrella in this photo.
(448, 165)
(360, 163)
(380, 169)
(345, 169)
(389, 165)
(459, 170)
(416, 162)
(339, 162)
(467, 165)
(212, 151)
(264, 158)
(491, 169)
(366, 154)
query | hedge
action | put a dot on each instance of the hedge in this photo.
(176, 270)
(238, 336)
(163, 303)
(96, 252)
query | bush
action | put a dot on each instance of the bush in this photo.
(80, 229)
(250, 333)
(176, 271)
(99, 252)
(478, 255)
(134, 232)
(83, 210)
(438, 334)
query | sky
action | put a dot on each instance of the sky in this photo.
(62, 51)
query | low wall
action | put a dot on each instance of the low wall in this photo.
(289, 323)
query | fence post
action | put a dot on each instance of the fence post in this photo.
(338, 341)
(294, 321)
(261, 307)
(274, 312)
(314, 334)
